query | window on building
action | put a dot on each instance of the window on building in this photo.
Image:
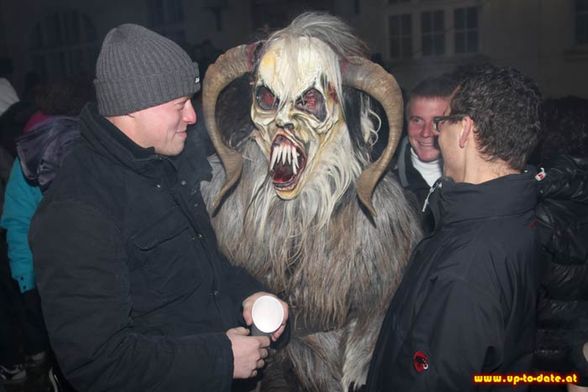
(64, 44)
(581, 22)
(466, 30)
(167, 18)
(400, 35)
(433, 33)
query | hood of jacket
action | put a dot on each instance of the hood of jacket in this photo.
(42, 150)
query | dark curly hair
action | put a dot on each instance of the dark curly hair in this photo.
(564, 123)
(504, 105)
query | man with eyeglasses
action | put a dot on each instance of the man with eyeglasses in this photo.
(419, 164)
(466, 305)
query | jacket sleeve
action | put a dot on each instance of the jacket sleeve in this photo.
(241, 282)
(20, 202)
(455, 329)
(83, 280)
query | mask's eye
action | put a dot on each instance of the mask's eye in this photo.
(266, 99)
(313, 102)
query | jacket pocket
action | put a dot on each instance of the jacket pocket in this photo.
(166, 229)
(163, 263)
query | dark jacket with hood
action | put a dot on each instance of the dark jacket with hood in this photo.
(466, 304)
(40, 154)
(135, 294)
(413, 181)
(41, 151)
(563, 305)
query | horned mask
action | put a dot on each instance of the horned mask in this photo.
(297, 96)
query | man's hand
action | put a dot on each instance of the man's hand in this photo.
(249, 352)
(248, 306)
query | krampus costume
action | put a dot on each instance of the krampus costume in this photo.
(298, 202)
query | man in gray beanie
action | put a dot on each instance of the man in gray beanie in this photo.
(135, 292)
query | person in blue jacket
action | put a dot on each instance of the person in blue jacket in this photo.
(40, 151)
(20, 202)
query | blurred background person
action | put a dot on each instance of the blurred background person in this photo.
(48, 136)
(8, 95)
(14, 118)
(563, 224)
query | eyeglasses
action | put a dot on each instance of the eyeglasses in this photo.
(439, 120)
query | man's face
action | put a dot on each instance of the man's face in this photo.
(163, 127)
(421, 133)
(453, 155)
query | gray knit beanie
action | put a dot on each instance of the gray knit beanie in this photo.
(138, 68)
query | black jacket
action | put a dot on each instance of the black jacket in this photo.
(134, 292)
(466, 304)
(411, 180)
(563, 305)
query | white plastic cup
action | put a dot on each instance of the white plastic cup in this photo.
(267, 314)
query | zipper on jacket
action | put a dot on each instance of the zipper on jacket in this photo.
(435, 186)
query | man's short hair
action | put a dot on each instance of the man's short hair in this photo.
(504, 105)
(435, 87)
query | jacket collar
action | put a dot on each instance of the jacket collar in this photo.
(509, 195)
(108, 140)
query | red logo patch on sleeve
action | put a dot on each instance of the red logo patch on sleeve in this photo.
(420, 361)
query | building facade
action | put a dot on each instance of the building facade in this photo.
(547, 39)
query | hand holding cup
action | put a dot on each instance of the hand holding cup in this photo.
(269, 317)
(267, 314)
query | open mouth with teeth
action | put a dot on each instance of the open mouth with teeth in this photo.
(288, 161)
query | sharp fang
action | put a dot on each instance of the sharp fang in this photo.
(284, 154)
(290, 153)
(279, 154)
(274, 156)
(295, 159)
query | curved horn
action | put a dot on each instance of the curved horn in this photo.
(369, 77)
(228, 67)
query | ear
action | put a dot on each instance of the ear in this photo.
(467, 131)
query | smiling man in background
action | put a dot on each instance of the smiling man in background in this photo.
(419, 162)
